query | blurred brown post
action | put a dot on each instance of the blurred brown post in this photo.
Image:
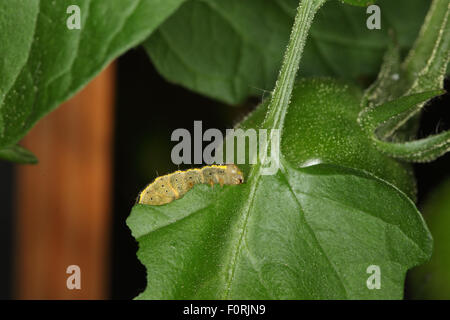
(63, 204)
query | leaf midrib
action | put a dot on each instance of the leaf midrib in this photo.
(255, 176)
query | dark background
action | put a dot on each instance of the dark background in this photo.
(148, 109)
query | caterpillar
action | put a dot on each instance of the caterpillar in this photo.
(175, 185)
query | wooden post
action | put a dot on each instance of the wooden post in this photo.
(63, 204)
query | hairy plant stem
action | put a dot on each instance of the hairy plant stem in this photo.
(425, 66)
(282, 93)
(427, 60)
(283, 88)
(276, 112)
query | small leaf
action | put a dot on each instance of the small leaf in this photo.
(423, 70)
(374, 117)
(18, 154)
(382, 89)
(422, 150)
(427, 61)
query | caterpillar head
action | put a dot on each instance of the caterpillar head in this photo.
(233, 174)
(149, 196)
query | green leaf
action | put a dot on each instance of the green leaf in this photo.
(307, 232)
(43, 63)
(385, 87)
(231, 49)
(428, 149)
(422, 150)
(373, 117)
(426, 64)
(322, 131)
(18, 154)
(432, 280)
(423, 70)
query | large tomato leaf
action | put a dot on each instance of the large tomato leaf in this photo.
(311, 231)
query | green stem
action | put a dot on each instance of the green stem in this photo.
(428, 59)
(277, 110)
(282, 93)
(422, 75)
(424, 68)
(283, 89)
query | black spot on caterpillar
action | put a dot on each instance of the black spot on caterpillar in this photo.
(173, 186)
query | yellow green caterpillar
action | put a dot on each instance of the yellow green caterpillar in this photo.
(173, 186)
